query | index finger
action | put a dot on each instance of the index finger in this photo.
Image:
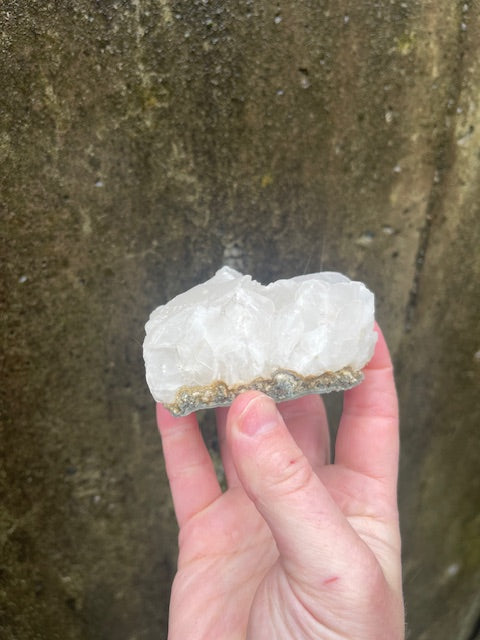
(190, 470)
(368, 439)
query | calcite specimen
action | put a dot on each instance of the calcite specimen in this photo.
(310, 334)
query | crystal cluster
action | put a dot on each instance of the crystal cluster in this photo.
(312, 333)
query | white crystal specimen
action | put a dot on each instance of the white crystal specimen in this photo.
(312, 333)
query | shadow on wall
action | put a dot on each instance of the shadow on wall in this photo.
(145, 144)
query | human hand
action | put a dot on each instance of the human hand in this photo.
(296, 547)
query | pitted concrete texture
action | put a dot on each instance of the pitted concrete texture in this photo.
(145, 143)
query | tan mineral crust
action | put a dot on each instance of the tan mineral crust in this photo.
(283, 385)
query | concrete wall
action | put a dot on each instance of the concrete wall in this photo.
(143, 143)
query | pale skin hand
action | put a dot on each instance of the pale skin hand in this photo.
(296, 547)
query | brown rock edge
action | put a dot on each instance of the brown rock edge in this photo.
(283, 385)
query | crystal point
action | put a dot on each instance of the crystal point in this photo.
(310, 334)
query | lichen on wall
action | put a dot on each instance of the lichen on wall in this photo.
(142, 145)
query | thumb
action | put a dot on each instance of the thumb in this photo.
(314, 539)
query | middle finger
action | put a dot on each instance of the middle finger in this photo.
(307, 421)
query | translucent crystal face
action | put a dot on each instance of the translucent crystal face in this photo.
(232, 330)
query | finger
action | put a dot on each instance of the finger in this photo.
(190, 470)
(312, 535)
(368, 439)
(228, 466)
(306, 420)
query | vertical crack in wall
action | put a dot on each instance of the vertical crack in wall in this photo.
(444, 159)
(475, 633)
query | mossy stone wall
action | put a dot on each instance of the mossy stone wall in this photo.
(143, 144)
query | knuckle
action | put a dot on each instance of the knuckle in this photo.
(292, 474)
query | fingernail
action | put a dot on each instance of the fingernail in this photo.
(259, 416)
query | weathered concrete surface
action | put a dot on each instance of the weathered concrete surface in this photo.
(143, 144)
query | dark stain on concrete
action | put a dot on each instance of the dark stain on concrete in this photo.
(142, 145)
